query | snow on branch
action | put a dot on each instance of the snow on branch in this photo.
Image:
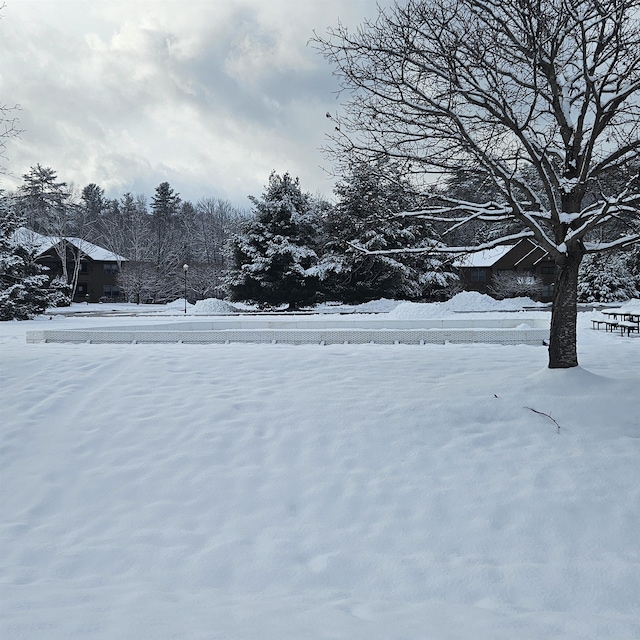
(619, 243)
(440, 248)
(483, 211)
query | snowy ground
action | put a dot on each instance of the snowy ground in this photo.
(359, 492)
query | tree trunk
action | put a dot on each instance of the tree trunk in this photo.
(563, 349)
(76, 272)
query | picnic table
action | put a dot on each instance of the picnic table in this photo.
(628, 321)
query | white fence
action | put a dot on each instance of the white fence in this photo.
(313, 330)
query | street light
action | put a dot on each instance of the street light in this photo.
(185, 268)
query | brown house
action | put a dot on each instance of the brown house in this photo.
(486, 271)
(99, 267)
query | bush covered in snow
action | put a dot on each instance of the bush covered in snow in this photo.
(511, 284)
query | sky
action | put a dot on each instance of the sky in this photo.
(208, 95)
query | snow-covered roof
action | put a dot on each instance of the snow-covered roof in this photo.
(41, 244)
(486, 258)
(94, 251)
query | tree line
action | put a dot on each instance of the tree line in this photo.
(155, 237)
(291, 248)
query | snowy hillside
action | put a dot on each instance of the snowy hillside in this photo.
(357, 492)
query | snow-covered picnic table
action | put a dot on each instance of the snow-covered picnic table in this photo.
(627, 320)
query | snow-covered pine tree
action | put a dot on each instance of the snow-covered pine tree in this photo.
(365, 219)
(607, 278)
(274, 256)
(23, 284)
(632, 264)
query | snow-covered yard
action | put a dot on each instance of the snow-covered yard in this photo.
(272, 492)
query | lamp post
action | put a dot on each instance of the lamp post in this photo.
(185, 268)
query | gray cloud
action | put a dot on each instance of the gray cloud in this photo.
(210, 96)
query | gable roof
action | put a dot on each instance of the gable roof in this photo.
(534, 253)
(486, 258)
(41, 244)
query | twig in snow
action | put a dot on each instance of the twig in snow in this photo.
(542, 413)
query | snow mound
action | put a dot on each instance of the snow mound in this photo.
(212, 305)
(376, 306)
(466, 301)
(178, 304)
(631, 306)
(575, 381)
(416, 310)
(382, 305)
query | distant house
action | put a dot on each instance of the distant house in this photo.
(479, 270)
(99, 267)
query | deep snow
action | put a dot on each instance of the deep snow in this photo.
(277, 492)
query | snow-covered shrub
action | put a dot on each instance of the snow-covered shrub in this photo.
(60, 292)
(514, 284)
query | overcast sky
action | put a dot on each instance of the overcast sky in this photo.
(209, 95)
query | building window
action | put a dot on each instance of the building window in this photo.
(54, 267)
(81, 289)
(478, 275)
(546, 291)
(111, 268)
(548, 270)
(71, 267)
(110, 291)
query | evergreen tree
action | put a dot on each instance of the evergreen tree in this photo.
(93, 205)
(273, 259)
(165, 205)
(632, 263)
(608, 277)
(44, 202)
(23, 284)
(366, 218)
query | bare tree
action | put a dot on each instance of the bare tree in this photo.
(539, 95)
(8, 123)
(205, 281)
(8, 129)
(125, 228)
(138, 280)
(213, 224)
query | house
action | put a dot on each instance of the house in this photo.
(482, 270)
(98, 268)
